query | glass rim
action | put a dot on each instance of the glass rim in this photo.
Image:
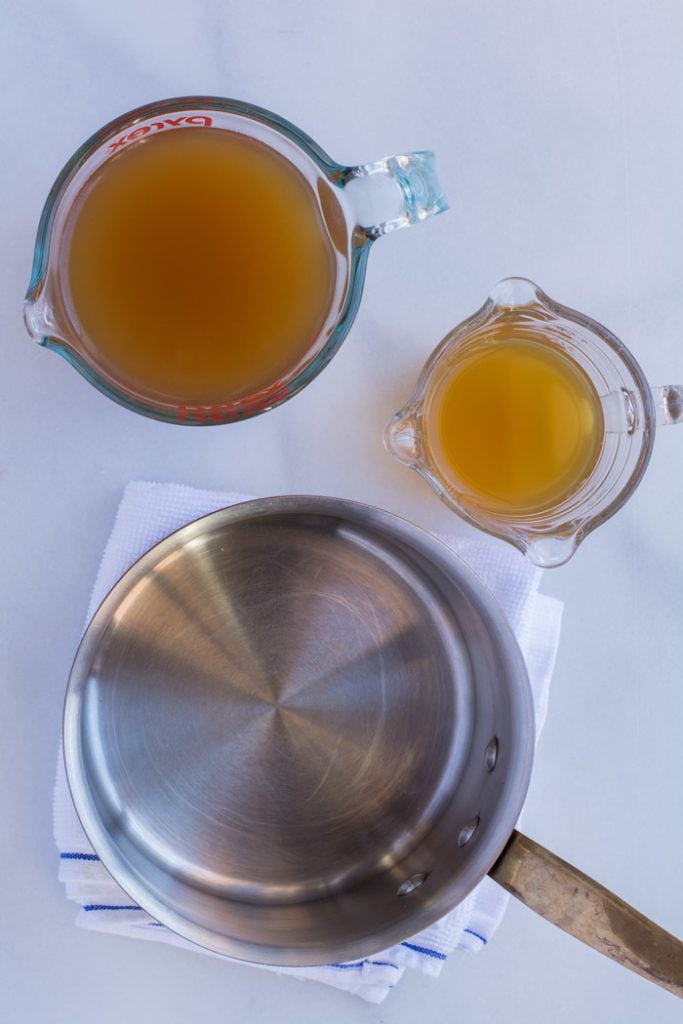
(521, 530)
(222, 412)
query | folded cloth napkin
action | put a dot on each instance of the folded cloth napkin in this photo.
(149, 512)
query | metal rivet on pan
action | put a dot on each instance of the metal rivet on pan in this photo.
(491, 754)
(410, 884)
(468, 831)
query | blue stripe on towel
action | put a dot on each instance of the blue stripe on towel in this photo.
(361, 963)
(476, 935)
(425, 951)
(108, 906)
(78, 856)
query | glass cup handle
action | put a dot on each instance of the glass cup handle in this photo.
(668, 404)
(395, 192)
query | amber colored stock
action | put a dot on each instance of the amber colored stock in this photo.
(198, 266)
(515, 425)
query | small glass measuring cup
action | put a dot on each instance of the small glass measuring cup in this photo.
(357, 205)
(631, 410)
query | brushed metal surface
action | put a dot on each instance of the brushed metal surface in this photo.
(280, 716)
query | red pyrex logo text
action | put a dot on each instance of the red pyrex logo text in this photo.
(168, 122)
(265, 400)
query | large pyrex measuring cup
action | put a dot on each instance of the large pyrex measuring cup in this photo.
(628, 411)
(355, 206)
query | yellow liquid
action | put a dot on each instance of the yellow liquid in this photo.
(199, 267)
(516, 426)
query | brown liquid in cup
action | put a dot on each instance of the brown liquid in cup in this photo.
(198, 268)
(515, 426)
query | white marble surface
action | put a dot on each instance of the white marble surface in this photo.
(558, 134)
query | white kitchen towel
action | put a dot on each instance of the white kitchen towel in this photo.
(149, 512)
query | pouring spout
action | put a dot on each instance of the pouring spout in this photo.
(400, 437)
(547, 552)
(40, 321)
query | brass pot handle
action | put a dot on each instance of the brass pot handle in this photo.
(589, 912)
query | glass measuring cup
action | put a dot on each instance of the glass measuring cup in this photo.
(629, 410)
(355, 206)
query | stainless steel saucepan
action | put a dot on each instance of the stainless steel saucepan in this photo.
(300, 730)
